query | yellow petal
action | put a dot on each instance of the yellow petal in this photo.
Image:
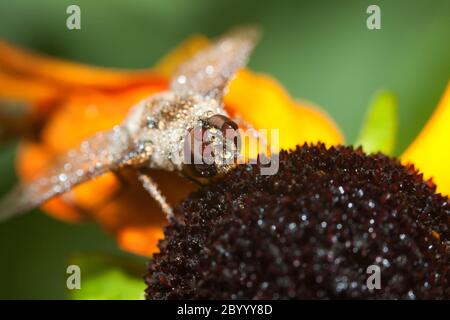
(262, 101)
(187, 49)
(430, 151)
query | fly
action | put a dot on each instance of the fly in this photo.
(160, 132)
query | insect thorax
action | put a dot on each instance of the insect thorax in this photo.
(164, 122)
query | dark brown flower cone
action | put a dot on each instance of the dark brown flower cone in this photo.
(310, 231)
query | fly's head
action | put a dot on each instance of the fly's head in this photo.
(211, 141)
(210, 148)
(192, 134)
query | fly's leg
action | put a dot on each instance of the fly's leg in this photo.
(152, 188)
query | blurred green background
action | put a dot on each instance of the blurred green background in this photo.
(320, 51)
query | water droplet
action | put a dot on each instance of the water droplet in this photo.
(181, 79)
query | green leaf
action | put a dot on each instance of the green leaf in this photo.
(106, 277)
(378, 134)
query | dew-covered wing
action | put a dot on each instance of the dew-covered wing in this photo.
(211, 69)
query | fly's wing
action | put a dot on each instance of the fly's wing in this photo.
(101, 153)
(211, 69)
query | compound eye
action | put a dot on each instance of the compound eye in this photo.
(197, 164)
(211, 148)
(229, 130)
(222, 123)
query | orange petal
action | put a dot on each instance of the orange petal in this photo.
(29, 91)
(22, 100)
(89, 112)
(70, 74)
(63, 210)
(134, 217)
(106, 188)
(140, 240)
(33, 85)
(429, 152)
(33, 158)
(262, 102)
